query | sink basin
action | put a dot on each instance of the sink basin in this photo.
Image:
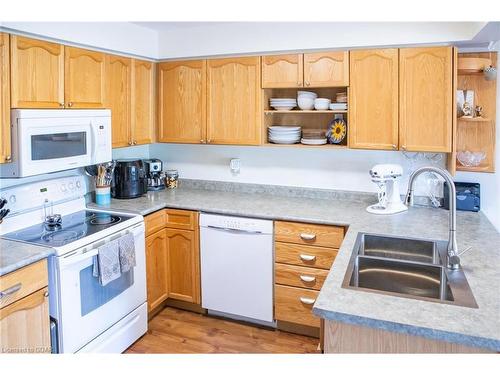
(409, 268)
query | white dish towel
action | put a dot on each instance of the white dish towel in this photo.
(106, 265)
(127, 252)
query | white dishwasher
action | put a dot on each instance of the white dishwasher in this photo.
(237, 267)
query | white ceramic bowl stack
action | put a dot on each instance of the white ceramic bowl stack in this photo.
(321, 104)
(305, 100)
(338, 106)
(283, 104)
(286, 135)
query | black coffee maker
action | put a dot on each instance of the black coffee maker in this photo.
(129, 179)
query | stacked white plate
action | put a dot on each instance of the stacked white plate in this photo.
(283, 104)
(286, 135)
(338, 106)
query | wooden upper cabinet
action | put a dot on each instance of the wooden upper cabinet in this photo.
(373, 99)
(37, 73)
(234, 101)
(118, 97)
(182, 101)
(281, 71)
(183, 265)
(84, 78)
(5, 149)
(326, 69)
(143, 121)
(426, 99)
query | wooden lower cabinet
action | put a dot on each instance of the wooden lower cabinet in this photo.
(156, 268)
(24, 312)
(172, 257)
(183, 265)
(345, 338)
(295, 305)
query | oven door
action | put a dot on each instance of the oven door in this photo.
(60, 145)
(85, 308)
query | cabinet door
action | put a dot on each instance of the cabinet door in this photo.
(5, 155)
(182, 101)
(373, 99)
(143, 120)
(326, 69)
(156, 268)
(425, 99)
(234, 101)
(84, 78)
(283, 71)
(37, 73)
(118, 98)
(183, 265)
(25, 325)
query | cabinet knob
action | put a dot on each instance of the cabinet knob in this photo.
(307, 83)
(61, 104)
(46, 294)
(403, 148)
(394, 147)
(130, 143)
(70, 104)
(134, 142)
(202, 141)
(209, 141)
(299, 84)
(8, 158)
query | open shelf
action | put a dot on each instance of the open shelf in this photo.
(478, 133)
(307, 119)
(474, 119)
(303, 111)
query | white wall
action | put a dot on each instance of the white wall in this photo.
(121, 37)
(340, 169)
(220, 38)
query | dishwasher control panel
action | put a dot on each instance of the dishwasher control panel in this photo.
(236, 223)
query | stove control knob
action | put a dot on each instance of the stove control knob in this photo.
(12, 199)
(63, 188)
(71, 186)
(78, 184)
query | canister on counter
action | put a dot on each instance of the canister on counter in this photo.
(171, 178)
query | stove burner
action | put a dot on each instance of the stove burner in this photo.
(61, 237)
(105, 219)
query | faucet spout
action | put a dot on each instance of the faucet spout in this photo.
(452, 259)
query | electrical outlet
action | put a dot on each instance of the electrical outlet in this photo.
(235, 166)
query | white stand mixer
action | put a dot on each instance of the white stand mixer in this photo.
(389, 201)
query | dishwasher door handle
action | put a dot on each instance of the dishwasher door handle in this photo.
(231, 230)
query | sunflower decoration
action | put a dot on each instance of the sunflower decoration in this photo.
(337, 130)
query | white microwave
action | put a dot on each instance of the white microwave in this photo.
(51, 140)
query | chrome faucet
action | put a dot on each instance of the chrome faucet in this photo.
(452, 258)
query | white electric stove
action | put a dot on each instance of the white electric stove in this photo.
(89, 317)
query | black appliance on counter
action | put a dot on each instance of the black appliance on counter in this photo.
(129, 179)
(468, 196)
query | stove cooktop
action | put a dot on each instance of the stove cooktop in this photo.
(72, 228)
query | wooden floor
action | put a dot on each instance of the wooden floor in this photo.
(179, 331)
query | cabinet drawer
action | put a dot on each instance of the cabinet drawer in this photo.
(304, 277)
(302, 255)
(308, 234)
(295, 305)
(20, 283)
(154, 222)
(181, 219)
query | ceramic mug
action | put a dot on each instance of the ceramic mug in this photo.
(103, 195)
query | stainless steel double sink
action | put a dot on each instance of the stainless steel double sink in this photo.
(405, 267)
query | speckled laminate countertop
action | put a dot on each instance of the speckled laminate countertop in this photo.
(468, 326)
(15, 255)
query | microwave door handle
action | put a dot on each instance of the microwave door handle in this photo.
(93, 134)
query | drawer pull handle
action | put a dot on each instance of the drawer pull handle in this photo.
(307, 279)
(307, 236)
(11, 290)
(307, 301)
(307, 258)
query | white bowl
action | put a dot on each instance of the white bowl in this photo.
(306, 94)
(305, 103)
(470, 159)
(283, 107)
(321, 104)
